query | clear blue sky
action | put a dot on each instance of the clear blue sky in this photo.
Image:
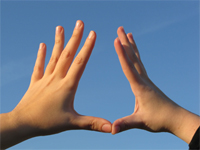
(167, 36)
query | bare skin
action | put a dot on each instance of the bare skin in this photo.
(47, 106)
(153, 111)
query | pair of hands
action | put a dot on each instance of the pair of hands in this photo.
(47, 106)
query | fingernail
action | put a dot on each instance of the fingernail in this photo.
(117, 129)
(58, 29)
(41, 45)
(131, 35)
(78, 24)
(106, 128)
(122, 28)
(91, 34)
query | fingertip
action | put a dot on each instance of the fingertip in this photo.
(92, 34)
(106, 128)
(41, 45)
(79, 24)
(121, 28)
(115, 130)
(39, 63)
(42, 49)
(80, 21)
(118, 46)
(59, 29)
(130, 35)
(117, 42)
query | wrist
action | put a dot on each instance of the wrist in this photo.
(184, 124)
(22, 125)
(13, 130)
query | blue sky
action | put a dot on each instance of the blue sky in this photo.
(167, 36)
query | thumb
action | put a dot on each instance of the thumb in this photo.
(125, 123)
(92, 123)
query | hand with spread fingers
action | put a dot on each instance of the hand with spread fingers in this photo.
(153, 111)
(47, 106)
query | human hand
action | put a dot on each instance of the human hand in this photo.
(48, 103)
(154, 111)
(47, 106)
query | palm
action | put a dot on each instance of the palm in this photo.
(149, 112)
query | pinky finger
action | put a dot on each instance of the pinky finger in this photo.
(39, 63)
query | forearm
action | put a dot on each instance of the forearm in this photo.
(12, 130)
(184, 124)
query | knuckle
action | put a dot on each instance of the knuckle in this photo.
(75, 34)
(66, 54)
(93, 125)
(38, 68)
(128, 69)
(53, 59)
(58, 41)
(78, 60)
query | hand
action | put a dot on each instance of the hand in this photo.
(47, 106)
(154, 111)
